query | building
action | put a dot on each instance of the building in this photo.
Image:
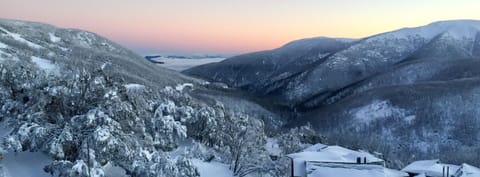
(467, 171)
(431, 168)
(334, 161)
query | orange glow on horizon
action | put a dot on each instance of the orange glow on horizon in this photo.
(217, 26)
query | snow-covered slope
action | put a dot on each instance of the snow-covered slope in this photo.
(441, 40)
(264, 69)
(88, 107)
(414, 89)
(50, 47)
(338, 67)
(212, 169)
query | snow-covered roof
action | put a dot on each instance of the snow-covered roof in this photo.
(316, 148)
(362, 170)
(324, 153)
(468, 171)
(429, 167)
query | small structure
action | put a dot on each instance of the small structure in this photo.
(467, 171)
(431, 168)
(332, 161)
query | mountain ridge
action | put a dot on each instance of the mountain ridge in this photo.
(362, 55)
(425, 75)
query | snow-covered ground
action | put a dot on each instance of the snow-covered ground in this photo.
(3, 46)
(22, 164)
(183, 64)
(54, 38)
(19, 38)
(273, 147)
(25, 164)
(212, 169)
(45, 65)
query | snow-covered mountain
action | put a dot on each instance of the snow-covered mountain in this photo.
(411, 93)
(86, 106)
(317, 70)
(264, 71)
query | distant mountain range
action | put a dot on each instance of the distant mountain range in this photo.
(413, 92)
(184, 56)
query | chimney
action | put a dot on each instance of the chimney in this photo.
(448, 171)
(365, 160)
(359, 160)
(443, 173)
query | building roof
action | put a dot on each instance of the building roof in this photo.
(334, 154)
(468, 171)
(362, 170)
(429, 168)
(316, 147)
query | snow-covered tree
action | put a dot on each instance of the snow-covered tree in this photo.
(85, 119)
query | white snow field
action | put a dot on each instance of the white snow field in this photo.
(212, 169)
(22, 164)
(19, 38)
(3, 46)
(54, 38)
(45, 65)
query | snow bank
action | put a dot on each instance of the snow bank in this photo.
(4, 172)
(212, 169)
(46, 65)
(111, 170)
(26, 164)
(180, 87)
(378, 109)
(54, 38)
(3, 46)
(134, 88)
(1, 56)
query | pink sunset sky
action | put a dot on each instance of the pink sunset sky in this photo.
(233, 26)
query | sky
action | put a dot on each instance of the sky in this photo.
(233, 26)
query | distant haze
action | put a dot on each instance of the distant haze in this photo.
(220, 26)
